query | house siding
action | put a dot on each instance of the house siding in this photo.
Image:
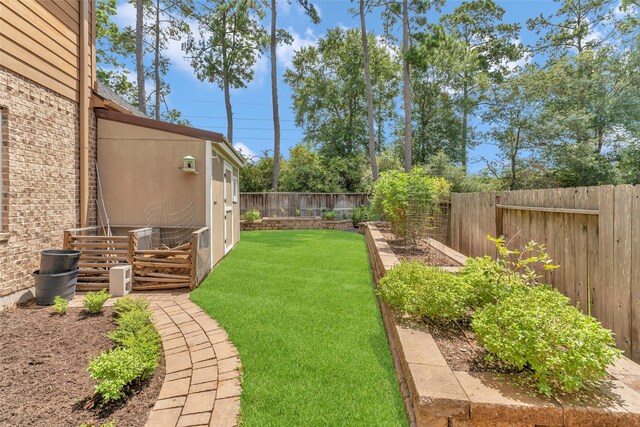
(42, 176)
(40, 39)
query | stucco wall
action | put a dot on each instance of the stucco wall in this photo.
(139, 166)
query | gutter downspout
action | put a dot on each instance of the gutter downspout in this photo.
(84, 113)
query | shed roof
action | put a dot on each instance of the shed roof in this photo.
(172, 128)
(106, 93)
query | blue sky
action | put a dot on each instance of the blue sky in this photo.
(202, 103)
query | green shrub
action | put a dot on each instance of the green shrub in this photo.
(488, 280)
(128, 303)
(363, 214)
(132, 326)
(492, 281)
(427, 291)
(115, 369)
(329, 215)
(395, 191)
(60, 305)
(534, 327)
(252, 215)
(93, 424)
(135, 356)
(94, 301)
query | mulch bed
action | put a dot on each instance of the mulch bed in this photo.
(419, 252)
(457, 343)
(44, 379)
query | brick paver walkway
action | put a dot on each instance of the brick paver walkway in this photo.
(202, 385)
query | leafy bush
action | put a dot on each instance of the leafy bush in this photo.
(329, 215)
(428, 291)
(60, 305)
(135, 356)
(94, 301)
(363, 214)
(115, 369)
(489, 281)
(535, 327)
(252, 215)
(492, 281)
(93, 424)
(395, 191)
(128, 303)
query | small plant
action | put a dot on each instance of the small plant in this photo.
(427, 291)
(128, 303)
(329, 215)
(252, 215)
(136, 355)
(94, 301)
(536, 328)
(93, 424)
(493, 281)
(363, 214)
(115, 369)
(60, 305)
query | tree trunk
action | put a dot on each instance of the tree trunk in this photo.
(514, 158)
(465, 118)
(227, 104)
(367, 81)
(156, 64)
(406, 91)
(142, 96)
(274, 100)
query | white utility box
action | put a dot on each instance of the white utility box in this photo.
(120, 280)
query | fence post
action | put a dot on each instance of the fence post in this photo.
(66, 240)
(193, 277)
(132, 247)
(499, 221)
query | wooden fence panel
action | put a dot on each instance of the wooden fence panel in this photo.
(622, 266)
(635, 275)
(593, 233)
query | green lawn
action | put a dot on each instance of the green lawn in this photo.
(300, 308)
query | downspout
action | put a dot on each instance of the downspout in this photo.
(84, 113)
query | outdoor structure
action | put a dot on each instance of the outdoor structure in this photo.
(49, 99)
(146, 181)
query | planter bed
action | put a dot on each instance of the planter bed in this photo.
(44, 378)
(437, 394)
(295, 223)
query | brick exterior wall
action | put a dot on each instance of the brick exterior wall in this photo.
(295, 223)
(41, 176)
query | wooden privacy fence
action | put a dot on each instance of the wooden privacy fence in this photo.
(593, 233)
(302, 204)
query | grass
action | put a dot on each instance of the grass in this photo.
(300, 308)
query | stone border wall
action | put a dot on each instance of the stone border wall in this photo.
(295, 223)
(434, 395)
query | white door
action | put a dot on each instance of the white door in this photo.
(228, 207)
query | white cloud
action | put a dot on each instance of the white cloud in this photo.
(125, 15)
(245, 151)
(285, 53)
(632, 10)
